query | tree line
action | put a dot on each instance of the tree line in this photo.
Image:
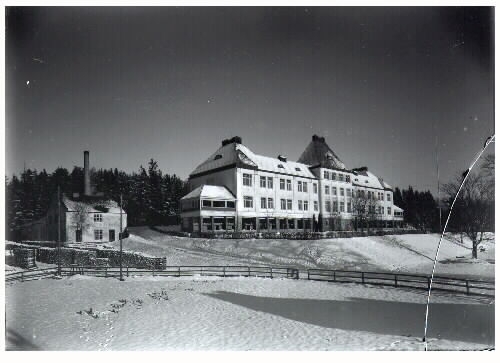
(150, 197)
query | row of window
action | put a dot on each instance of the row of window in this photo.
(285, 184)
(343, 192)
(218, 203)
(341, 207)
(285, 204)
(336, 176)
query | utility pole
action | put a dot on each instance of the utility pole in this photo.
(121, 237)
(58, 230)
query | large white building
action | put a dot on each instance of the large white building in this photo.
(236, 189)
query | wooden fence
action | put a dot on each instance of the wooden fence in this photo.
(178, 271)
(30, 274)
(440, 283)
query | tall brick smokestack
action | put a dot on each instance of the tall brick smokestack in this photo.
(86, 174)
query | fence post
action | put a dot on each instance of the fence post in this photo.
(201, 271)
(127, 270)
(428, 283)
(224, 271)
(106, 271)
(362, 277)
(334, 277)
(179, 271)
(395, 280)
(271, 271)
(248, 271)
(308, 275)
(467, 285)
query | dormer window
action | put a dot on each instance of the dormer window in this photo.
(297, 169)
(218, 156)
(281, 166)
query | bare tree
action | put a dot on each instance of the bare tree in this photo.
(80, 217)
(473, 207)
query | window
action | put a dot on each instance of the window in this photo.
(283, 204)
(230, 204)
(328, 206)
(270, 203)
(207, 203)
(282, 184)
(98, 234)
(348, 178)
(218, 156)
(389, 210)
(378, 209)
(327, 190)
(342, 206)
(341, 192)
(315, 188)
(111, 235)
(348, 191)
(334, 176)
(219, 203)
(98, 218)
(288, 184)
(304, 187)
(270, 182)
(389, 197)
(306, 205)
(349, 207)
(262, 181)
(341, 177)
(299, 186)
(326, 175)
(334, 191)
(289, 204)
(247, 180)
(335, 206)
(248, 202)
(281, 166)
(315, 205)
(263, 203)
(369, 195)
(300, 204)
(297, 169)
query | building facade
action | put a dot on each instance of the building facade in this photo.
(236, 189)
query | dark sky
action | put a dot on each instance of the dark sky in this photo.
(130, 84)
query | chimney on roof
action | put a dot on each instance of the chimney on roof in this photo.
(86, 174)
(318, 138)
(235, 140)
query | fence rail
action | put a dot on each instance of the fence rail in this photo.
(30, 274)
(441, 283)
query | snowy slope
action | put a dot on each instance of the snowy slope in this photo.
(401, 253)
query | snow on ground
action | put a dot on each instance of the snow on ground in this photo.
(201, 313)
(400, 253)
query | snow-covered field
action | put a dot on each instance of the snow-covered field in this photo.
(200, 313)
(398, 253)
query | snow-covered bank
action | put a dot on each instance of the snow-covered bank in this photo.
(401, 253)
(158, 313)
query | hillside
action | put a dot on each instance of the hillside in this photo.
(401, 253)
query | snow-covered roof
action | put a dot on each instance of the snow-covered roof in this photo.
(91, 205)
(319, 153)
(238, 153)
(397, 209)
(365, 178)
(210, 192)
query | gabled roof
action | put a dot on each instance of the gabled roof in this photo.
(364, 178)
(236, 153)
(91, 204)
(210, 192)
(396, 208)
(319, 153)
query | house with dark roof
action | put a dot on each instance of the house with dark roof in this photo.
(235, 189)
(87, 217)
